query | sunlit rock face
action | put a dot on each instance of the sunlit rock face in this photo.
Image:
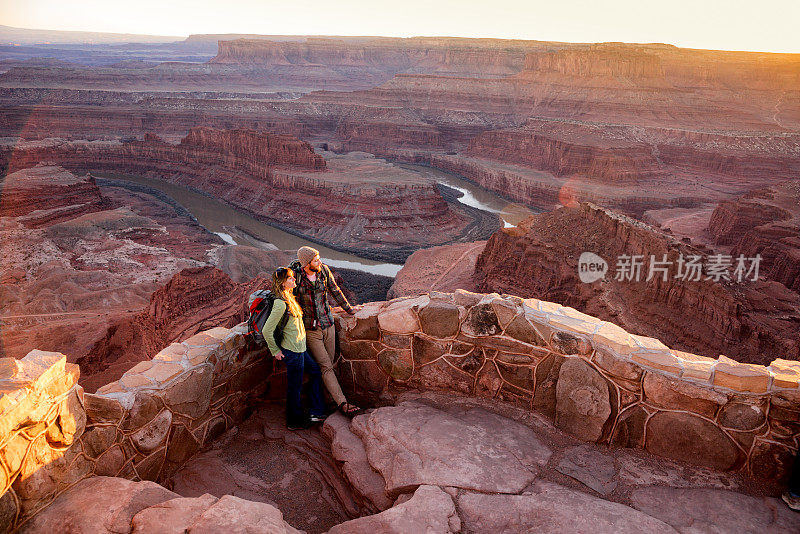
(459, 380)
(765, 222)
(77, 256)
(540, 259)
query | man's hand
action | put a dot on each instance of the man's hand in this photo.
(279, 355)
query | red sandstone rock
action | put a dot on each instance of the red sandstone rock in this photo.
(539, 259)
(764, 222)
(46, 195)
(713, 509)
(399, 439)
(194, 300)
(84, 265)
(98, 504)
(284, 185)
(553, 509)
(429, 510)
(445, 268)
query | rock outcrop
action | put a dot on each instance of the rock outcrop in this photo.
(47, 195)
(764, 222)
(193, 300)
(444, 268)
(380, 57)
(747, 320)
(114, 505)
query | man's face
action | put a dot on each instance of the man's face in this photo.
(315, 265)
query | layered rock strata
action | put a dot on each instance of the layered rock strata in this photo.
(283, 182)
(382, 57)
(747, 320)
(193, 300)
(46, 195)
(764, 222)
(698, 125)
(78, 257)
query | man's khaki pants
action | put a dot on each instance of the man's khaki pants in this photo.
(322, 346)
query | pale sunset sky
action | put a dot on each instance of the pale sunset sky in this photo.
(762, 25)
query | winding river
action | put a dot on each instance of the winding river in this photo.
(239, 228)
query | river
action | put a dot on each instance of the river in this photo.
(511, 213)
(239, 228)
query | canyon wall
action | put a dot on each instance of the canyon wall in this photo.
(750, 320)
(388, 56)
(45, 195)
(764, 222)
(283, 182)
(193, 300)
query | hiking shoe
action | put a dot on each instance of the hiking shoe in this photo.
(317, 418)
(793, 501)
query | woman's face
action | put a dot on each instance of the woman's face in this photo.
(289, 283)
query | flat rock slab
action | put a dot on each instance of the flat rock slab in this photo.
(101, 505)
(429, 510)
(550, 508)
(636, 470)
(693, 510)
(591, 467)
(413, 444)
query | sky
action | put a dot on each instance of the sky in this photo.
(758, 25)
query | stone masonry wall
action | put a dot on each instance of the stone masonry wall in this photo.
(142, 427)
(591, 378)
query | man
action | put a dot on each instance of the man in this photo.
(314, 283)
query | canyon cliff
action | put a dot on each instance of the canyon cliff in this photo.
(77, 256)
(764, 222)
(280, 180)
(749, 321)
(194, 299)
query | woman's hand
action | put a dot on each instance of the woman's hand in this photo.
(279, 355)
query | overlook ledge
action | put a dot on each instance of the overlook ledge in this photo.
(592, 379)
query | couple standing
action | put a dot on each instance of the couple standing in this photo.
(301, 292)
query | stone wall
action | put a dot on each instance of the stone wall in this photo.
(142, 427)
(591, 378)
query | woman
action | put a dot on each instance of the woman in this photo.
(293, 352)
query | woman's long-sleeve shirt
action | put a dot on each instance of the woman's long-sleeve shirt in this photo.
(294, 333)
